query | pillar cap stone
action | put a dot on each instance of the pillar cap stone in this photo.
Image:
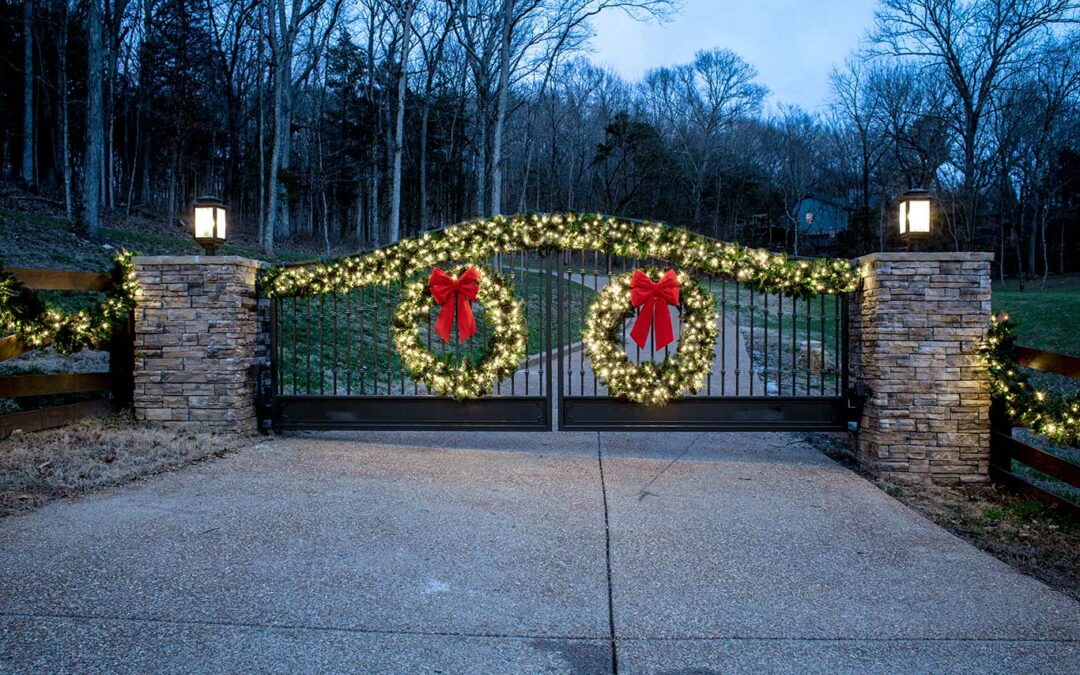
(916, 256)
(239, 261)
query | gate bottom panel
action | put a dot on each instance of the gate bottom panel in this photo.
(742, 413)
(405, 413)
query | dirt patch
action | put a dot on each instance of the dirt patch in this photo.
(94, 454)
(1031, 537)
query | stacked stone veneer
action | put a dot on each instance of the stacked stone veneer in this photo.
(198, 333)
(916, 325)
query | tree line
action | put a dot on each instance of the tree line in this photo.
(363, 122)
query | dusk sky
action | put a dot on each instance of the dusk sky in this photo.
(794, 44)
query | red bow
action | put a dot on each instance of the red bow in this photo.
(655, 296)
(455, 294)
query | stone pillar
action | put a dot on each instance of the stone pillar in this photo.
(916, 325)
(198, 335)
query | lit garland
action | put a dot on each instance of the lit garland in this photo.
(504, 352)
(651, 383)
(1045, 413)
(38, 325)
(479, 240)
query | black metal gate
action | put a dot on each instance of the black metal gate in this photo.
(781, 363)
(333, 365)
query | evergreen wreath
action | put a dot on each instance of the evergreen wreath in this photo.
(651, 383)
(503, 353)
(38, 324)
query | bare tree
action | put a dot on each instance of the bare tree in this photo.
(978, 44)
(405, 9)
(92, 158)
(286, 22)
(432, 43)
(65, 132)
(28, 93)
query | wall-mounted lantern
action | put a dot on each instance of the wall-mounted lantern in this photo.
(210, 221)
(914, 214)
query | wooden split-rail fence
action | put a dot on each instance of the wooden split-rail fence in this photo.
(1007, 451)
(111, 389)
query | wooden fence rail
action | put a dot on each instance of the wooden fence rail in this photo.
(114, 385)
(1005, 450)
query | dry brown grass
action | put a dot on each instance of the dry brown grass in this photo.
(94, 454)
(1037, 540)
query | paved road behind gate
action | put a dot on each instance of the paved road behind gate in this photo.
(681, 553)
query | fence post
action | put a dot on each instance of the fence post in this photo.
(122, 363)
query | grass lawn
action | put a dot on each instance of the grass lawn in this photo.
(1047, 319)
(46, 240)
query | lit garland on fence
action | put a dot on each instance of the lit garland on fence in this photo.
(479, 240)
(651, 383)
(38, 325)
(463, 380)
(1052, 415)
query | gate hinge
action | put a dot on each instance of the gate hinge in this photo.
(856, 399)
(264, 397)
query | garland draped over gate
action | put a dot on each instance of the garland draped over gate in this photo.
(480, 239)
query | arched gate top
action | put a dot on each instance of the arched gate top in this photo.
(477, 240)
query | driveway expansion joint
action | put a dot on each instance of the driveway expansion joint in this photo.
(607, 555)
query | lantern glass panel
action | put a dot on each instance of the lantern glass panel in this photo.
(220, 221)
(204, 222)
(903, 218)
(919, 216)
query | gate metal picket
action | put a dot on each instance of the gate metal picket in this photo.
(781, 363)
(333, 365)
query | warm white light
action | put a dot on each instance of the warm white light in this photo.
(208, 222)
(919, 217)
(914, 212)
(204, 222)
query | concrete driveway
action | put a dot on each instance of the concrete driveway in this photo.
(500, 553)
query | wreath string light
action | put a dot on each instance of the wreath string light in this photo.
(757, 269)
(506, 344)
(651, 383)
(1052, 415)
(37, 324)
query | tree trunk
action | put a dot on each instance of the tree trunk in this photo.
(424, 120)
(260, 129)
(500, 109)
(376, 226)
(65, 132)
(275, 161)
(28, 93)
(1019, 258)
(1033, 244)
(481, 158)
(399, 124)
(1045, 253)
(94, 127)
(1061, 251)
